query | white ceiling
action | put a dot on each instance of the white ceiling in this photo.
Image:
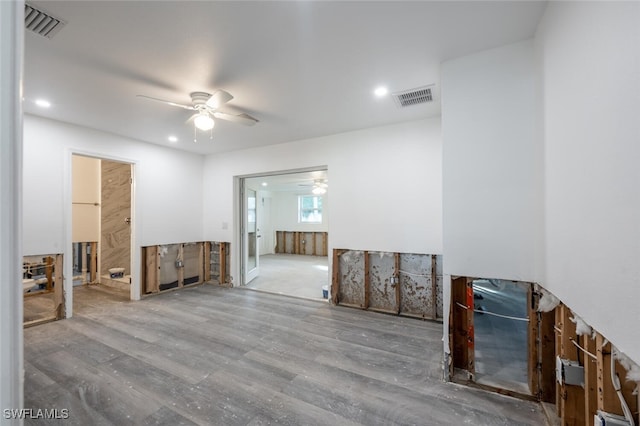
(303, 68)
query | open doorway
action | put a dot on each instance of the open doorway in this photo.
(284, 233)
(101, 229)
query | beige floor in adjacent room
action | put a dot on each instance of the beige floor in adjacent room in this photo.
(292, 275)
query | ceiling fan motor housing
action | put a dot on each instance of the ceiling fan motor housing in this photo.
(200, 99)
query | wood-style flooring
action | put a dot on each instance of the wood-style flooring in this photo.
(217, 356)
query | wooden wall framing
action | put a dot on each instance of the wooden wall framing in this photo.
(577, 405)
(461, 332)
(301, 242)
(53, 287)
(404, 284)
(552, 335)
(218, 266)
(174, 266)
(462, 342)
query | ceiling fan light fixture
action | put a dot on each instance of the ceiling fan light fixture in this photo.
(203, 121)
(318, 190)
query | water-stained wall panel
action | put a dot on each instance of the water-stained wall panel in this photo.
(351, 278)
(439, 300)
(382, 287)
(439, 283)
(415, 285)
(407, 284)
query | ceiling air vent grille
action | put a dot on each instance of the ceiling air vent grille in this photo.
(41, 22)
(413, 96)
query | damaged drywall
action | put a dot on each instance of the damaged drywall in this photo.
(351, 278)
(408, 284)
(383, 292)
(416, 284)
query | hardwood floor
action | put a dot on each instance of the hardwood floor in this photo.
(217, 356)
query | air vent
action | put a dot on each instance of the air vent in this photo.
(413, 96)
(41, 22)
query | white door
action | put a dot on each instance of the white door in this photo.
(251, 236)
(266, 240)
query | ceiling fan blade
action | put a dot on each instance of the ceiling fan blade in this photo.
(192, 118)
(245, 119)
(219, 98)
(167, 102)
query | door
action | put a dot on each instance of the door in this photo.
(251, 236)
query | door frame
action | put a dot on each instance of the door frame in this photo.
(248, 274)
(67, 251)
(237, 241)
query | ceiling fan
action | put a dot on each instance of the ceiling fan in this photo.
(206, 107)
(319, 186)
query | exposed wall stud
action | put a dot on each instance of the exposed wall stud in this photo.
(367, 281)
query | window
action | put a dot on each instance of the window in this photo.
(309, 209)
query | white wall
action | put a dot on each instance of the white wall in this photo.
(167, 189)
(386, 185)
(168, 184)
(285, 213)
(85, 193)
(492, 180)
(591, 71)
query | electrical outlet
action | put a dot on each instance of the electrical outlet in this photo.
(179, 264)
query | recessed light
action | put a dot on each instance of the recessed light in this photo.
(172, 139)
(264, 184)
(43, 103)
(381, 91)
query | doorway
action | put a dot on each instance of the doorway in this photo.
(101, 227)
(283, 233)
